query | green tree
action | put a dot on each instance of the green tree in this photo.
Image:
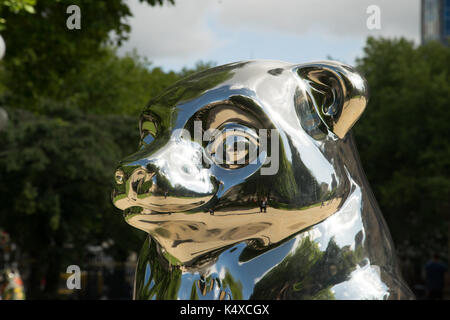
(402, 139)
(56, 173)
(44, 56)
(112, 84)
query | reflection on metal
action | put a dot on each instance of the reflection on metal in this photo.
(2, 47)
(321, 234)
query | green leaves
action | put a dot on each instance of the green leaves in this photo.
(402, 138)
(45, 59)
(56, 174)
(19, 5)
(15, 6)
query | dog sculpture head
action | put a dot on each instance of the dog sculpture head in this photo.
(219, 146)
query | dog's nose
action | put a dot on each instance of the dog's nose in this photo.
(150, 189)
(132, 187)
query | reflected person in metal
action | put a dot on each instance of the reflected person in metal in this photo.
(249, 184)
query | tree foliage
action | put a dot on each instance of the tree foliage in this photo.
(402, 139)
(112, 84)
(15, 6)
(56, 172)
(43, 55)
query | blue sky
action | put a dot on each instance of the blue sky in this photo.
(297, 31)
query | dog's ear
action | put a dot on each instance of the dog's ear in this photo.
(339, 92)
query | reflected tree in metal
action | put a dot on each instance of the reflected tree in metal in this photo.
(321, 234)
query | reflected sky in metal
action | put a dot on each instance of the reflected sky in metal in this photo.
(322, 235)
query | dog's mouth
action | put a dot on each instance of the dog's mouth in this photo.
(167, 204)
(154, 203)
(153, 194)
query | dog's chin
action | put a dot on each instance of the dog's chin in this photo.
(187, 235)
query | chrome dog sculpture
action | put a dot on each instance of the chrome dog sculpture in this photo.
(250, 187)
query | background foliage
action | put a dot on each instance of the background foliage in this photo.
(403, 142)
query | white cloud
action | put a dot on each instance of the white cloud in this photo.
(170, 31)
(334, 17)
(226, 30)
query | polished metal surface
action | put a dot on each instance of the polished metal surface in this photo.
(249, 185)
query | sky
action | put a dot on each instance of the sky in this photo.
(297, 31)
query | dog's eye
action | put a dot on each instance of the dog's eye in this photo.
(234, 147)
